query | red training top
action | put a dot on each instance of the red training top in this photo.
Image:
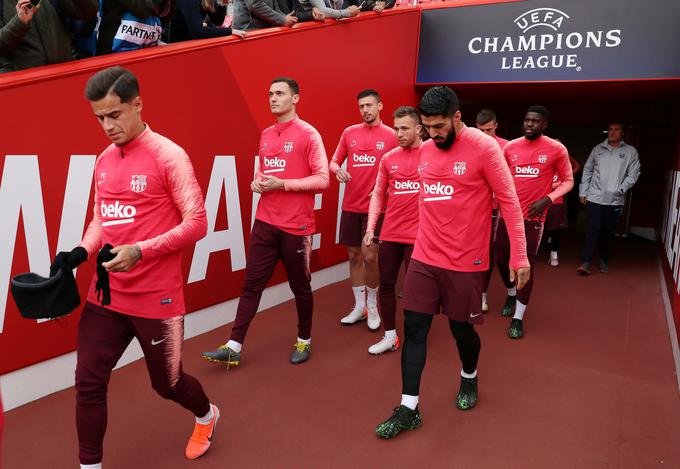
(398, 177)
(292, 151)
(146, 193)
(456, 194)
(365, 145)
(533, 163)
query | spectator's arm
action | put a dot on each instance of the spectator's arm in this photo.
(12, 34)
(330, 12)
(193, 17)
(266, 13)
(632, 174)
(587, 175)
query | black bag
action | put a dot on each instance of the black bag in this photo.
(38, 297)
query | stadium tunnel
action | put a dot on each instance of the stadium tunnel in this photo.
(210, 97)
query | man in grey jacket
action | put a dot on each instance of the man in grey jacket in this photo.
(31, 36)
(258, 14)
(612, 169)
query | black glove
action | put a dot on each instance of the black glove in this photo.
(66, 260)
(101, 286)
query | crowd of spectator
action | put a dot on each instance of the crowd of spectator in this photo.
(44, 32)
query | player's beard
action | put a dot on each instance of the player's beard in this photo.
(448, 141)
(533, 136)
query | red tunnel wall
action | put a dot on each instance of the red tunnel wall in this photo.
(211, 98)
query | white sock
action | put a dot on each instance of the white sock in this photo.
(468, 375)
(205, 420)
(512, 291)
(409, 401)
(484, 297)
(305, 341)
(553, 254)
(91, 466)
(519, 311)
(372, 296)
(235, 346)
(359, 297)
(391, 334)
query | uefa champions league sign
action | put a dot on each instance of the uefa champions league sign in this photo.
(550, 41)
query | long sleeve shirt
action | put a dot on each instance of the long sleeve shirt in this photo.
(575, 167)
(609, 173)
(187, 22)
(45, 40)
(398, 180)
(294, 152)
(456, 192)
(533, 163)
(146, 193)
(364, 145)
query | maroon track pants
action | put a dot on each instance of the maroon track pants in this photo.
(103, 336)
(267, 245)
(533, 231)
(390, 257)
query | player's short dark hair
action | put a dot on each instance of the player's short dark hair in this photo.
(485, 115)
(292, 84)
(368, 92)
(439, 101)
(403, 111)
(113, 80)
(538, 109)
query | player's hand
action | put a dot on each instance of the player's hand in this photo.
(583, 200)
(26, 10)
(379, 6)
(256, 187)
(537, 208)
(127, 256)
(368, 238)
(520, 276)
(342, 175)
(239, 33)
(318, 15)
(353, 11)
(271, 183)
(290, 20)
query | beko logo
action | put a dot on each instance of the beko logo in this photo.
(439, 191)
(526, 172)
(549, 20)
(274, 165)
(406, 187)
(120, 213)
(363, 160)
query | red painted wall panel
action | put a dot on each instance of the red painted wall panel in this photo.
(211, 98)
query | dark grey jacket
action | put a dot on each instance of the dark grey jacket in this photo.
(45, 40)
(257, 14)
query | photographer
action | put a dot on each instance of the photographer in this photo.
(32, 33)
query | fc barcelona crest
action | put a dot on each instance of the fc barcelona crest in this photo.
(380, 145)
(542, 158)
(288, 147)
(138, 183)
(459, 168)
